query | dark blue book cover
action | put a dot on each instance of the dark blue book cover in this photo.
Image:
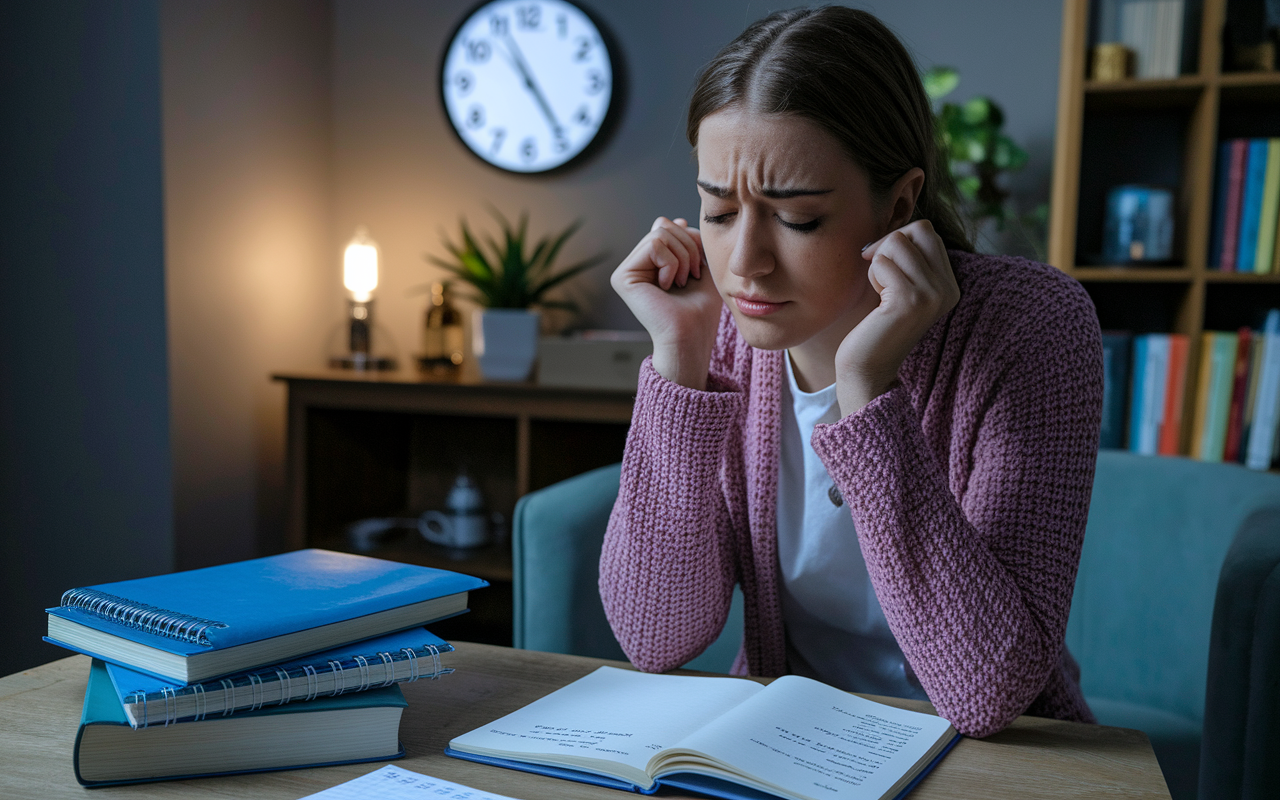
(1255, 176)
(1222, 180)
(1115, 394)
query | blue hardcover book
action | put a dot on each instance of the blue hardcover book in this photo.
(1255, 178)
(1222, 181)
(1137, 396)
(349, 728)
(1116, 346)
(795, 738)
(192, 626)
(382, 661)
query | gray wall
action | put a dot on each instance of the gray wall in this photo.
(84, 403)
(252, 284)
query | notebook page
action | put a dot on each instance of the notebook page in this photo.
(394, 783)
(614, 714)
(817, 741)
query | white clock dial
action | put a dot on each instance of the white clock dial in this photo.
(527, 83)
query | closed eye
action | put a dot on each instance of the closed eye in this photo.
(717, 219)
(803, 227)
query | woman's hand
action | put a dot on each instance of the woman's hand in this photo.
(666, 284)
(912, 274)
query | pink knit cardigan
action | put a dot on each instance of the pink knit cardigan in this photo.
(969, 485)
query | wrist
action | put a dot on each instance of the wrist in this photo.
(686, 366)
(854, 393)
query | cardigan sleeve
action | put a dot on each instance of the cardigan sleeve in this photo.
(974, 562)
(667, 566)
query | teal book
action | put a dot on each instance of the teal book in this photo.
(1255, 178)
(1137, 396)
(1221, 382)
(382, 661)
(191, 626)
(364, 726)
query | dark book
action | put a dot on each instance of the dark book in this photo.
(1116, 346)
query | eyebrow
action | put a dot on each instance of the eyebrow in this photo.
(770, 192)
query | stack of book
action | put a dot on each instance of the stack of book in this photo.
(276, 663)
(1246, 206)
(1236, 393)
(1152, 29)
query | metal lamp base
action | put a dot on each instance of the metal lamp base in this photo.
(362, 362)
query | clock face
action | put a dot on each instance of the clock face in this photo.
(527, 83)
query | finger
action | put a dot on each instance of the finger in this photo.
(906, 257)
(666, 261)
(687, 247)
(927, 240)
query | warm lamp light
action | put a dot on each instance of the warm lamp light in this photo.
(360, 276)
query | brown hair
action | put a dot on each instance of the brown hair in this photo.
(844, 70)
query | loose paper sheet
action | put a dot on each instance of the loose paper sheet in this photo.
(394, 783)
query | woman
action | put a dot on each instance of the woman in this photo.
(886, 440)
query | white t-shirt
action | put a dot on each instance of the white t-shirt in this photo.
(836, 631)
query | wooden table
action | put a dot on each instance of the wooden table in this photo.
(1033, 758)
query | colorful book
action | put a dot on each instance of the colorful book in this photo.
(1262, 433)
(1221, 381)
(1116, 347)
(1239, 389)
(1264, 261)
(395, 658)
(1171, 420)
(1257, 352)
(1234, 196)
(192, 626)
(1203, 375)
(349, 728)
(795, 738)
(1221, 182)
(1155, 378)
(1255, 178)
(1139, 385)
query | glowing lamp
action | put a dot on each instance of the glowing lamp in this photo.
(360, 276)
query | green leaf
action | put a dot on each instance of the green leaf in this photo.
(940, 82)
(976, 111)
(968, 186)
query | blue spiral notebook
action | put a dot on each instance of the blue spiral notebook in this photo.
(191, 626)
(402, 657)
(796, 738)
(349, 728)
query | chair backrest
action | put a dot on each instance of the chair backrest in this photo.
(1159, 529)
(556, 537)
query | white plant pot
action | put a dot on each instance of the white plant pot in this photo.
(505, 342)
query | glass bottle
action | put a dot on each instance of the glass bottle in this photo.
(442, 334)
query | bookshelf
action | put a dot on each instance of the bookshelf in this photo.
(1161, 132)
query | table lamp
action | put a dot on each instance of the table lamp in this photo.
(360, 276)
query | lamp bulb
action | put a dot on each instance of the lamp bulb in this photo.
(360, 267)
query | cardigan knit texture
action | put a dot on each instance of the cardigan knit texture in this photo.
(968, 481)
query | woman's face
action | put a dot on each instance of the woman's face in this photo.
(785, 215)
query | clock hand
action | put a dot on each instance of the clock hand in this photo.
(517, 59)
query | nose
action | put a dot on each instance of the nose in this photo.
(753, 254)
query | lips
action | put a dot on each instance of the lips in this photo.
(756, 307)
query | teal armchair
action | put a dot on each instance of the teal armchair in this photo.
(1158, 535)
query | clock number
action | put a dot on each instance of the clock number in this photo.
(584, 49)
(478, 50)
(529, 17)
(595, 82)
(562, 25)
(498, 135)
(581, 116)
(499, 25)
(464, 81)
(475, 117)
(561, 143)
(529, 150)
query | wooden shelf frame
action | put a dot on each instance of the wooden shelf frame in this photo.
(1202, 96)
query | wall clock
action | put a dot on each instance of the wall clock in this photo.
(528, 84)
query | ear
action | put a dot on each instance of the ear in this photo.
(902, 197)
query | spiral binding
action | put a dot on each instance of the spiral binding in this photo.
(258, 684)
(142, 617)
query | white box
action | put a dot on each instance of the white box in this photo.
(593, 359)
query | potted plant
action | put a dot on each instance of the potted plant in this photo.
(510, 283)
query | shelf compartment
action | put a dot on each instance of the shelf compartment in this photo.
(1183, 92)
(1229, 306)
(1132, 274)
(1139, 306)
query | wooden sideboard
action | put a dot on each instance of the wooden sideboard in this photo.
(367, 445)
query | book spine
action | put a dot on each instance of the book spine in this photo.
(1264, 260)
(1256, 352)
(1153, 394)
(1137, 396)
(1223, 369)
(1202, 394)
(1235, 188)
(1115, 363)
(1240, 385)
(1263, 430)
(141, 617)
(1251, 205)
(277, 686)
(1171, 427)
(1222, 179)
